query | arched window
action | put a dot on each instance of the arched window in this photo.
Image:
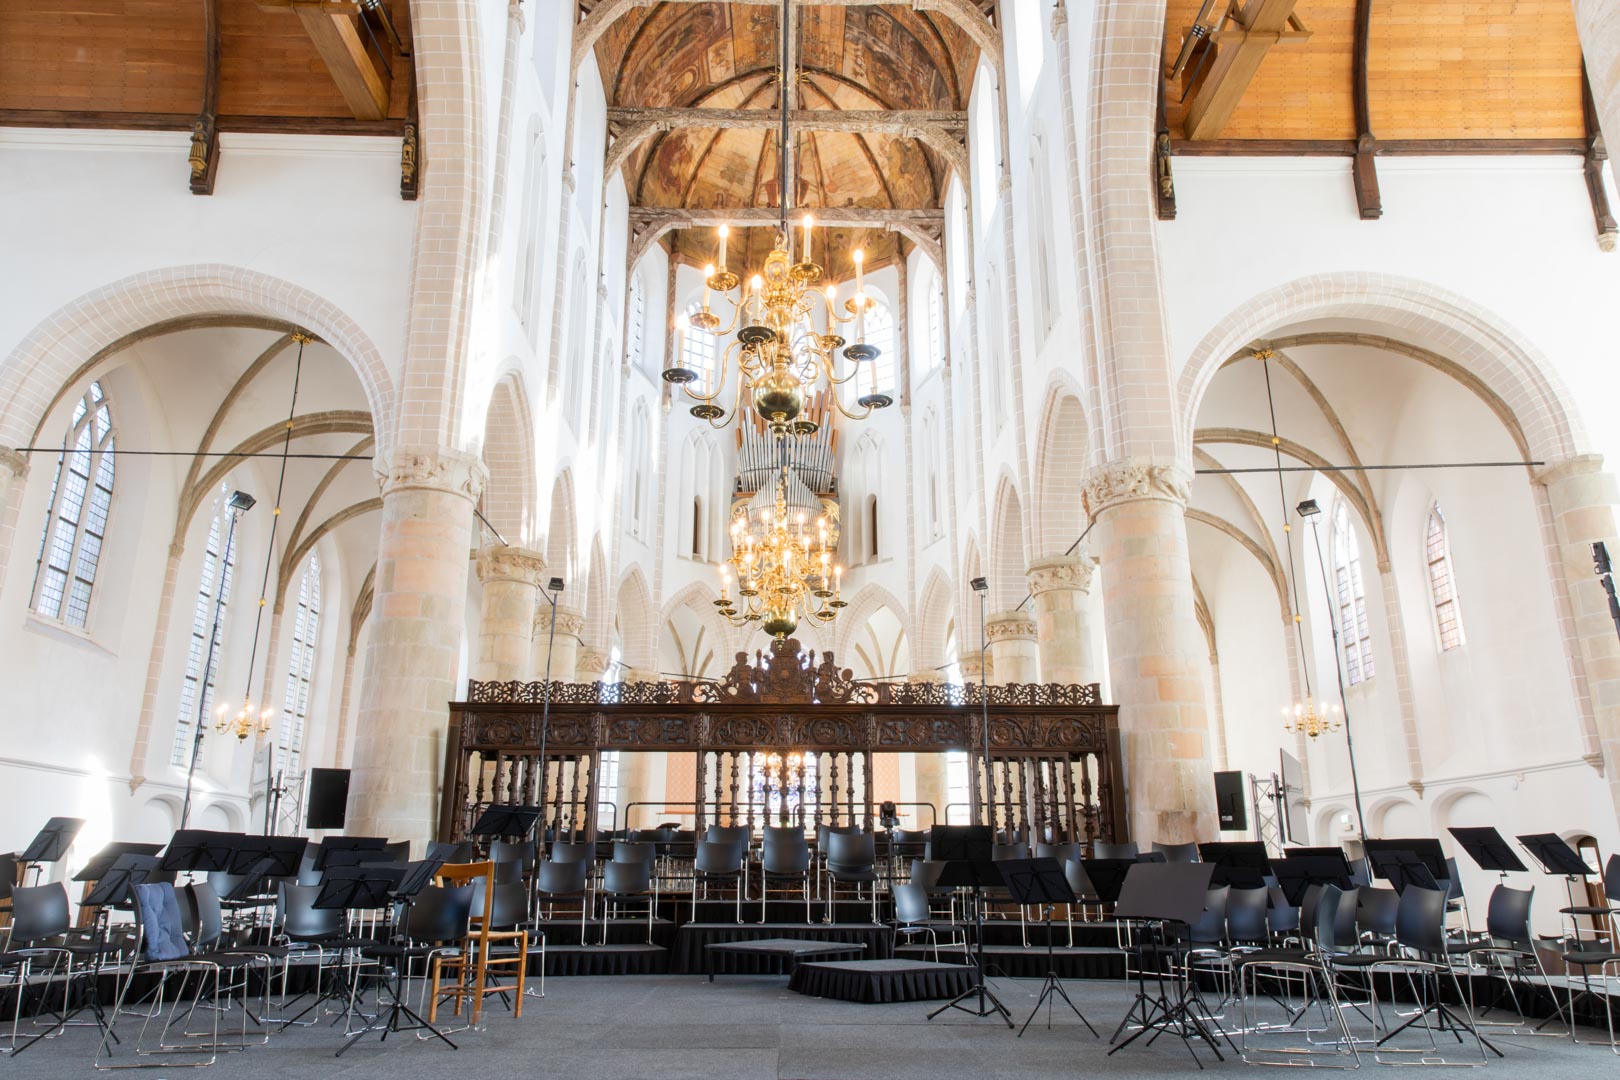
(936, 325)
(697, 527)
(76, 526)
(871, 528)
(702, 351)
(213, 588)
(880, 333)
(306, 624)
(635, 326)
(1442, 584)
(1350, 598)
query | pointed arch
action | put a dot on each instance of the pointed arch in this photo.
(934, 608)
(868, 600)
(511, 497)
(598, 590)
(1061, 453)
(1009, 560)
(562, 533)
(638, 628)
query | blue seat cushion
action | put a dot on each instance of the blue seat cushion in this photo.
(163, 933)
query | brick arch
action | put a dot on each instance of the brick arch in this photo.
(598, 608)
(511, 498)
(638, 628)
(97, 321)
(1058, 518)
(967, 607)
(562, 540)
(699, 596)
(1009, 556)
(1416, 313)
(928, 628)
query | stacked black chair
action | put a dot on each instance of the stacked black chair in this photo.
(851, 860)
(1310, 962)
(784, 857)
(912, 915)
(566, 879)
(625, 881)
(1509, 947)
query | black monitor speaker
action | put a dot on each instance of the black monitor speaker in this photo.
(328, 801)
(1229, 804)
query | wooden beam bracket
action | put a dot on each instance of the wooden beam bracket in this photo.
(204, 155)
(352, 54)
(1597, 152)
(1164, 182)
(410, 151)
(1364, 165)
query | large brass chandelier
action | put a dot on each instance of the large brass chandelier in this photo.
(784, 568)
(788, 326)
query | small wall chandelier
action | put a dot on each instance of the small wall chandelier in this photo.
(787, 340)
(1311, 718)
(784, 569)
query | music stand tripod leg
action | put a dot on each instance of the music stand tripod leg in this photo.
(1053, 986)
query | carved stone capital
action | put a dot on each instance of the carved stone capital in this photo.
(1565, 468)
(969, 666)
(1131, 480)
(1068, 572)
(591, 663)
(13, 466)
(1009, 626)
(1060, 19)
(569, 621)
(502, 563)
(514, 14)
(436, 469)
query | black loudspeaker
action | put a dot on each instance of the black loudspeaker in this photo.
(1229, 804)
(327, 805)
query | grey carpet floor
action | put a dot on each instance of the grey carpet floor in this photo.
(673, 1027)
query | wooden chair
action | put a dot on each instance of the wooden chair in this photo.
(467, 975)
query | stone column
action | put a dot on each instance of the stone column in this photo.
(511, 578)
(591, 664)
(635, 675)
(969, 665)
(1583, 500)
(1061, 588)
(565, 650)
(415, 642)
(1013, 654)
(1157, 654)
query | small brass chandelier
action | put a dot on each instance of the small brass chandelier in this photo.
(784, 570)
(1311, 718)
(248, 721)
(788, 328)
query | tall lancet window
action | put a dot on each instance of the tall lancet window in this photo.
(1350, 598)
(1442, 583)
(879, 332)
(701, 352)
(306, 624)
(217, 566)
(81, 496)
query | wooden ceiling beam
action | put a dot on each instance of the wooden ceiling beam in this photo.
(1364, 166)
(334, 27)
(1238, 54)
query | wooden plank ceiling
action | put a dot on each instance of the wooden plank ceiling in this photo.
(141, 63)
(1436, 70)
(725, 56)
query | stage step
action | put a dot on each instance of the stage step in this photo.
(1016, 963)
(626, 959)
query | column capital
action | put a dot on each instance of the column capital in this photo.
(569, 621)
(591, 663)
(12, 464)
(499, 562)
(1565, 468)
(1066, 572)
(1009, 626)
(1132, 480)
(435, 468)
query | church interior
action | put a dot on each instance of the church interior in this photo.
(979, 508)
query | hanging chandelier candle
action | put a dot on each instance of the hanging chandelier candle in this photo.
(784, 570)
(787, 340)
(247, 722)
(1310, 718)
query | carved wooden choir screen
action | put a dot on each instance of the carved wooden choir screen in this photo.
(788, 739)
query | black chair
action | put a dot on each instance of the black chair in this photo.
(1126, 850)
(1177, 853)
(1061, 852)
(39, 925)
(912, 915)
(927, 874)
(1259, 970)
(1603, 918)
(785, 857)
(634, 851)
(624, 881)
(437, 924)
(1007, 852)
(566, 880)
(521, 852)
(851, 860)
(720, 860)
(1376, 910)
(563, 851)
(1509, 946)
(1246, 923)
(1422, 954)
(729, 834)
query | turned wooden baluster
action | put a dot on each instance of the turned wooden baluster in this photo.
(1086, 807)
(1007, 797)
(734, 764)
(700, 787)
(784, 787)
(820, 772)
(557, 800)
(1070, 820)
(754, 769)
(799, 811)
(592, 784)
(833, 780)
(866, 786)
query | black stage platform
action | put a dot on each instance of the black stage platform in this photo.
(693, 938)
(880, 982)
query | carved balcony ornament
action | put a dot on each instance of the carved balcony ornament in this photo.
(1132, 480)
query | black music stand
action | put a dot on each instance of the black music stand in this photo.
(346, 889)
(52, 842)
(409, 881)
(1402, 868)
(418, 876)
(506, 819)
(200, 850)
(1159, 895)
(323, 853)
(105, 859)
(1241, 864)
(1297, 873)
(1557, 859)
(115, 887)
(1489, 851)
(285, 853)
(966, 852)
(1041, 883)
(1107, 876)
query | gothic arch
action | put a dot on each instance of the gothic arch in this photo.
(598, 610)
(638, 630)
(1429, 318)
(562, 535)
(511, 497)
(1009, 556)
(869, 599)
(928, 628)
(100, 322)
(1058, 518)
